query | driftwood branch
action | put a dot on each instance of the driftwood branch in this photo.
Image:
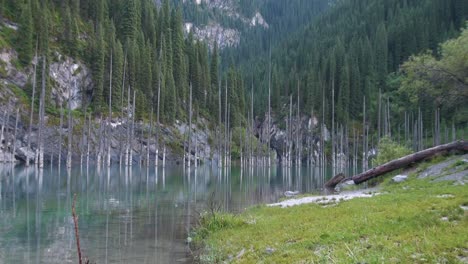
(399, 163)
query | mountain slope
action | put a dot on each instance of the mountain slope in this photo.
(352, 47)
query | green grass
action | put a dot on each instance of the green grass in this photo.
(410, 223)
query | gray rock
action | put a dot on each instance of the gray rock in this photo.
(24, 153)
(291, 193)
(269, 250)
(400, 178)
(71, 79)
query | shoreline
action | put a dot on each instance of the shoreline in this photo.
(349, 227)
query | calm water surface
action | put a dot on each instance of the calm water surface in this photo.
(136, 215)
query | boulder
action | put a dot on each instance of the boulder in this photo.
(399, 178)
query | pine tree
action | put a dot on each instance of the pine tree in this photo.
(178, 55)
(381, 50)
(25, 35)
(117, 72)
(128, 25)
(98, 68)
(344, 94)
(214, 68)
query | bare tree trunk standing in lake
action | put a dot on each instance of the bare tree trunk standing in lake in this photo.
(269, 111)
(32, 105)
(70, 130)
(133, 129)
(156, 158)
(122, 143)
(219, 126)
(88, 141)
(149, 139)
(109, 128)
(379, 113)
(6, 116)
(40, 152)
(333, 166)
(14, 136)
(251, 127)
(127, 140)
(82, 140)
(100, 147)
(189, 154)
(290, 143)
(364, 135)
(225, 125)
(298, 128)
(60, 136)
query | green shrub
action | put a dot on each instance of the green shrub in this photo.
(389, 150)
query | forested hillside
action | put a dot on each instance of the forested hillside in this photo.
(356, 49)
(144, 45)
(340, 58)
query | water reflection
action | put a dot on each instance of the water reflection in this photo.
(126, 215)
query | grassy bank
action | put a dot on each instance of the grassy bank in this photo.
(417, 221)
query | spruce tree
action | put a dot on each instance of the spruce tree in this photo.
(178, 55)
(128, 26)
(25, 35)
(98, 68)
(117, 72)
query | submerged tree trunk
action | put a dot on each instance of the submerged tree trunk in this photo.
(40, 152)
(32, 106)
(14, 137)
(70, 133)
(401, 162)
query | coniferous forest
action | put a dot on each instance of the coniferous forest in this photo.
(266, 100)
(356, 66)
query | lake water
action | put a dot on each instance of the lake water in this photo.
(136, 215)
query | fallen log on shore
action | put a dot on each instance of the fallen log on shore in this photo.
(399, 163)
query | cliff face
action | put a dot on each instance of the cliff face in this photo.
(69, 79)
(216, 29)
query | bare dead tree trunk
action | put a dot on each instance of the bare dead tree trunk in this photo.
(88, 141)
(32, 106)
(82, 146)
(404, 161)
(70, 132)
(40, 155)
(109, 128)
(298, 128)
(333, 166)
(133, 129)
(60, 136)
(15, 134)
(100, 148)
(5, 118)
(149, 139)
(269, 112)
(252, 126)
(225, 125)
(127, 140)
(219, 126)
(364, 138)
(158, 131)
(122, 143)
(189, 154)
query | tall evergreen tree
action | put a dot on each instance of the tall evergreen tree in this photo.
(25, 35)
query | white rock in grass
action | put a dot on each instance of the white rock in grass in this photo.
(399, 178)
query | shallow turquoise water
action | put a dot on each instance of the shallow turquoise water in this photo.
(136, 215)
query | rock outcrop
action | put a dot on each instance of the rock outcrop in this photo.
(71, 81)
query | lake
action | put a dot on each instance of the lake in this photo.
(135, 215)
